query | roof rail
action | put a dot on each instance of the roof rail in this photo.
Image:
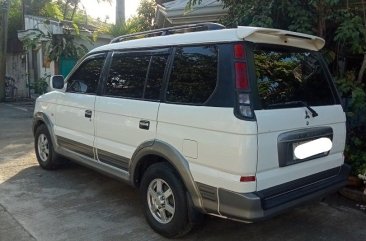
(171, 30)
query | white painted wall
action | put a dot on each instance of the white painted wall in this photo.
(33, 22)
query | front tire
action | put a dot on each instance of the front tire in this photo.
(165, 202)
(46, 156)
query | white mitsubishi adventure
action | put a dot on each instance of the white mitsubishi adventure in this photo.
(239, 123)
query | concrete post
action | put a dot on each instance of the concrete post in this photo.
(3, 46)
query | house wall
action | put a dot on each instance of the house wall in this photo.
(16, 68)
(33, 22)
(44, 68)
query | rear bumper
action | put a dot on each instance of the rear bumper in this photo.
(266, 203)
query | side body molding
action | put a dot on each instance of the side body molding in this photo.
(175, 158)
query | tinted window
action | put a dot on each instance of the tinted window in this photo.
(155, 77)
(85, 79)
(194, 75)
(291, 75)
(127, 76)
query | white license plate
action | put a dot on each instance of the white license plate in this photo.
(306, 149)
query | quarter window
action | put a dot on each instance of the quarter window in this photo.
(85, 79)
(194, 75)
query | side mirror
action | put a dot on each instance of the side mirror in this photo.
(57, 82)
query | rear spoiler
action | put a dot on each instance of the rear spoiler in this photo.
(280, 37)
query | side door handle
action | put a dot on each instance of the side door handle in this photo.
(144, 124)
(88, 114)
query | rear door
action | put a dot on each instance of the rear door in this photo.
(126, 113)
(301, 124)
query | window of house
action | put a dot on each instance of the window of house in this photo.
(194, 75)
(85, 79)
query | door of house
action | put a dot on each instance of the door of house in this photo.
(66, 65)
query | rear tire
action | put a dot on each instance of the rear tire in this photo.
(46, 156)
(165, 202)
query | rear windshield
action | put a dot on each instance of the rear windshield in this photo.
(290, 75)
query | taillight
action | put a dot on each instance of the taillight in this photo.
(239, 51)
(246, 111)
(242, 82)
(241, 76)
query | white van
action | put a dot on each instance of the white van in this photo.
(239, 123)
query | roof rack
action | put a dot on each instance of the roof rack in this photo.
(169, 31)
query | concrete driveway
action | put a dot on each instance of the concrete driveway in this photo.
(76, 203)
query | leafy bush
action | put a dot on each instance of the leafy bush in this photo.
(40, 86)
(354, 96)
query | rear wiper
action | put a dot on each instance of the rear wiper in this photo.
(296, 104)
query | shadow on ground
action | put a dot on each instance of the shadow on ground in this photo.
(16, 138)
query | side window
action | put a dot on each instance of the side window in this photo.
(85, 79)
(127, 76)
(155, 77)
(194, 75)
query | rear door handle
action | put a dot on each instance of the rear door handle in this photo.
(144, 124)
(88, 114)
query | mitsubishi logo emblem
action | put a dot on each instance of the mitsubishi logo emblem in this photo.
(307, 115)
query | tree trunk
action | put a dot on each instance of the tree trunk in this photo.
(120, 12)
(74, 10)
(362, 70)
(65, 9)
(321, 9)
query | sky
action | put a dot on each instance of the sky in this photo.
(101, 10)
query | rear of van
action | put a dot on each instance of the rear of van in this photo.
(283, 84)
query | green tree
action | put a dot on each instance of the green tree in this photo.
(145, 14)
(129, 26)
(34, 7)
(142, 21)
(73, 5)
(15, 19)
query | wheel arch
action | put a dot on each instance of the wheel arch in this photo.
(40, 118)
(155, 151)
